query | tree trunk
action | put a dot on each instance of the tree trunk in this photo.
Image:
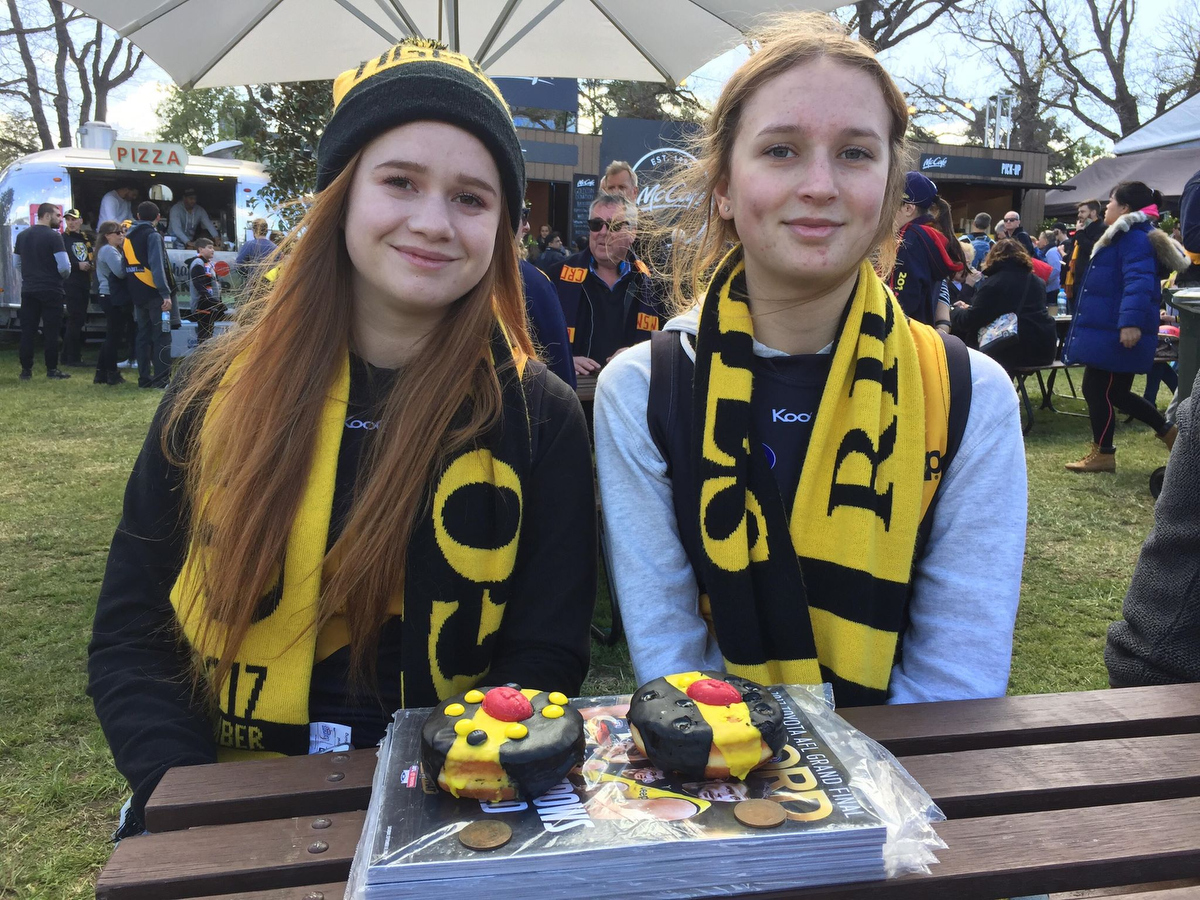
(36, 112)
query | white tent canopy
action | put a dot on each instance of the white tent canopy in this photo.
(211, 43)
(1179, 125)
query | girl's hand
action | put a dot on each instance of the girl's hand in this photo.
(1130, 337)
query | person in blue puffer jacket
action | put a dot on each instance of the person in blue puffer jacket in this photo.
(1115, 330)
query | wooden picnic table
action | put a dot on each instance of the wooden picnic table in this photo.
(1043, 793)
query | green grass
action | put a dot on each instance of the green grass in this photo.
(68, 448)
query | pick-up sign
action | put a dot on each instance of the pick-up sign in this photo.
(139, 156)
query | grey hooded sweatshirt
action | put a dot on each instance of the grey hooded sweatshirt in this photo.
(958, 644)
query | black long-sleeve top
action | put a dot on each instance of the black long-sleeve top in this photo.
(139, 674)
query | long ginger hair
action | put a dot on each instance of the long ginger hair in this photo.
(699, 238)
(244, 483)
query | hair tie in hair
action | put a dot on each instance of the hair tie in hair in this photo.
(1151, 210)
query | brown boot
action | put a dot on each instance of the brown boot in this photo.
(1168, 437)
(1095, 461)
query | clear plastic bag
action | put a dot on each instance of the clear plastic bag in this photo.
(854, 814)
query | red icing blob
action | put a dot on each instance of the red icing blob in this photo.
(508, 705)
(711, 692)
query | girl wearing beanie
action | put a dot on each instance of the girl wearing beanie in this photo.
(832, 492)
(369, 495)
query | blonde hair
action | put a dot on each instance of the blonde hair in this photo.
(618, 165)
(699, 238)
(259, 227)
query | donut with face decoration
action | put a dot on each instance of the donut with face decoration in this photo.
(501, 743)
(706, 724)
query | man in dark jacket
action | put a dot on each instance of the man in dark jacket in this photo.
(1158, 640)
(78, 286)
(1013, 229)
(149, 290)
(607, 296)
(42, 260)
(1077, 255)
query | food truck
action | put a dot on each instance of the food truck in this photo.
(79, 177)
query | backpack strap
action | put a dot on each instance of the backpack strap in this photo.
(958, 366)
(666, 357)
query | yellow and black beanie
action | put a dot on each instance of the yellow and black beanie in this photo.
(420, 80)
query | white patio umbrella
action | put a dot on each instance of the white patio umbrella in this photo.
(210, 43)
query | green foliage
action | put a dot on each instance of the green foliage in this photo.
(294, 114)
(18, 136)
(204, 116)
(637, 100)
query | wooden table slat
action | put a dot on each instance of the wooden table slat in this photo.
(1032, 719)
(967, 784)
(281, 788)
(989, 857)
(334, 890)
(215, 859)
(1059, 776)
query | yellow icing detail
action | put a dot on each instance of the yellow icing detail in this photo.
(477, 767)
(473, 697)
(558, 698)
(734, 735)
(553, 712)
(733, 732)
(455, 709)
(684, 680)
(515, 731)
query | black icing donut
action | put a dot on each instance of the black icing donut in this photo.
(501, 743)
(671, 728)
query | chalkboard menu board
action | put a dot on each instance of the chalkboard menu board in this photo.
(583, 192)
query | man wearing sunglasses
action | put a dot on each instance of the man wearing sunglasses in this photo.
(605, 291)
(1012, 225)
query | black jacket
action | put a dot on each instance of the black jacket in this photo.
(1085, 239)
(1010, 288)
(138, 672)
(644, 313)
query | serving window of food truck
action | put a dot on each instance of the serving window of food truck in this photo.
(227, 190)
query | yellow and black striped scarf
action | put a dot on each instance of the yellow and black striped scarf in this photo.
(459, 577)
(820, 597)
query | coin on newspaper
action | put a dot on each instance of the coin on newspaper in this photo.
(760, 813)
(485, 835)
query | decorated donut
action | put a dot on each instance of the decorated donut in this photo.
(706, 724)
(501, 743)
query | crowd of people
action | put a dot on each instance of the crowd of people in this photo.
(379, 489)
(122, 266)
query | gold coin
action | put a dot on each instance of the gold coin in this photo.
(485, 835)
(760, 813)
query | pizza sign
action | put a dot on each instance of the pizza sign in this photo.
(139, 156)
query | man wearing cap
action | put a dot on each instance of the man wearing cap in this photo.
(78, 286)
(41, 258)
(186, 217)
(922, 258)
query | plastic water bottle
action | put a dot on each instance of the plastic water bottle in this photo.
(166, 321)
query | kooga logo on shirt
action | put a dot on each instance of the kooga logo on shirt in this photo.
(782, 415)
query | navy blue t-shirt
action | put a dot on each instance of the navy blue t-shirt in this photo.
(783, 407)
(36, 246)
